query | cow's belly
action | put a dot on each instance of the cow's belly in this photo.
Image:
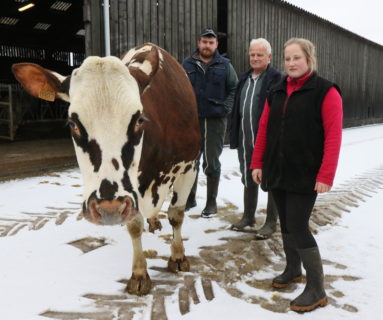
(180, 176)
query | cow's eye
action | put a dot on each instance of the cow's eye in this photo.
(73, 127)
(141, 121)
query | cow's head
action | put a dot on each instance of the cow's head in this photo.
(107, 123)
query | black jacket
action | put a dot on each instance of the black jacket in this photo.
(272, 77)
(295, 137)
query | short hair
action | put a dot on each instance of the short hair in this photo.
(263, 42)
(308, 49)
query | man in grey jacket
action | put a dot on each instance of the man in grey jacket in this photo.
(252, 90)
(214, 81)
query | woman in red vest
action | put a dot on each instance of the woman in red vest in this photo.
(295, 157)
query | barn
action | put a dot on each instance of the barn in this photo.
(59, 34)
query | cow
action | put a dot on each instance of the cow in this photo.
(135, 130)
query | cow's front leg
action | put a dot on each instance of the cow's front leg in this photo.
(177, 261)
(139, 283)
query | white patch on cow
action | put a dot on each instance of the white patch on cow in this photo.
(105, 96)
(132, 52)
(161, 57)
(145, 67)
(182, 185)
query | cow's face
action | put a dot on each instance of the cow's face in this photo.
(106, 120)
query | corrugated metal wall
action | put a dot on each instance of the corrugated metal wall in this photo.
(354, 63)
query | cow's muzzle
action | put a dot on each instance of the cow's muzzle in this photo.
(110, 212)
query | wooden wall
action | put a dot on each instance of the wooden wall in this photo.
(354, 63)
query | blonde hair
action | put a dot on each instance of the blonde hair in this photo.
(308, 49)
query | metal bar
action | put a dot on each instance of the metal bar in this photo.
(106, 28)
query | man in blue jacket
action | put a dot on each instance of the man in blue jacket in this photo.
(214, 81)
(252, 90)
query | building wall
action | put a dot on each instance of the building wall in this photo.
(354, 63)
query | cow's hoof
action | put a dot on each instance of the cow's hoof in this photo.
(178, 265)
(154, 224)
(139, 285)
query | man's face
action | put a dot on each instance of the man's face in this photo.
(259, 58)
(207, 46)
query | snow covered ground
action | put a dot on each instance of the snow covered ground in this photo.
(41, 272)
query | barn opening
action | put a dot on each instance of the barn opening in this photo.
(50, 33)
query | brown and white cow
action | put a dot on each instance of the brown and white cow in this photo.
(135, 130)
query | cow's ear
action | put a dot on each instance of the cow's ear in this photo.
(143, 64)
(39, 82)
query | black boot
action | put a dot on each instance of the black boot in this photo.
(271, 220)
(293, 270)
(191, 201)
(313, 295)
(250, 200)
(211, 198)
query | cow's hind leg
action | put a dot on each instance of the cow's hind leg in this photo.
(139, 283)
(176, 213)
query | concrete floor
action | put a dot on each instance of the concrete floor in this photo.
(20, 159)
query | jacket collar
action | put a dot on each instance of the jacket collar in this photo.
(216, 58)
(308, 81)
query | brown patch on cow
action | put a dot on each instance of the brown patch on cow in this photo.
(95, 154)
(187, 168)
(174, 198)
(166, 180)
(143, 79)
(82, 140)
(108, 189)
(176, 169)
(115, 164)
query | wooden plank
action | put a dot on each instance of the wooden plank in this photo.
(199, 22)
(114, 30)
(145, 18)
(161, 24)
(139, 17)
(193, 26)
(154, 26)
(131, 23)
(215, 14)
(123, 26)
(181, 30)
(168, 25)
(188, 41)
(174, 12)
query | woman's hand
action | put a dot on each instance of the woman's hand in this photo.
(257, 175)
(320, 187)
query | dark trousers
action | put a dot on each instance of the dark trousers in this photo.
(294, 211)
(212, 134)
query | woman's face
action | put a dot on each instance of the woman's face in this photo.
(296, 64)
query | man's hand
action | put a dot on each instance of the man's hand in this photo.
(257, 175)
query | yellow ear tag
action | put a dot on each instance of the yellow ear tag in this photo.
(47, 93)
